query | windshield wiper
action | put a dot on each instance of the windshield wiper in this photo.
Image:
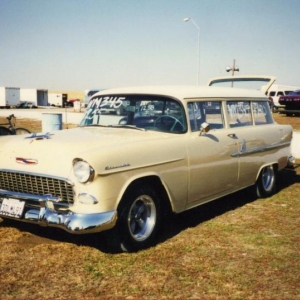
(127, 126)
(92, 125)
(115, 126)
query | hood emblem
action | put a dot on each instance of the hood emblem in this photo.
(26, 161)
(39, 137)
(116, 167)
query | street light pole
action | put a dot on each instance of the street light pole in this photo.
(198, 62)
(233, 69)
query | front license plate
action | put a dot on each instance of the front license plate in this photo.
(12, 208)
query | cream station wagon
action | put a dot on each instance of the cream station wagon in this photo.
(176, 148)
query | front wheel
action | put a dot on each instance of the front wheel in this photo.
(139, 219)
(20, 131)
(266, 182)
(5, 131)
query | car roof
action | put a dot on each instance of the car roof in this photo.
(185, 92)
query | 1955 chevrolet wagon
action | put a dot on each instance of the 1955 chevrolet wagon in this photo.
(176, 148)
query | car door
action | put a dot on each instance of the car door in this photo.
(213, 170)
(257, 137)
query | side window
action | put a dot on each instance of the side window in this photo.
(214, 115)
(280, 94)
(209, 112)
(272, 94)
(196, 115)
(239, 113)
(262, 113)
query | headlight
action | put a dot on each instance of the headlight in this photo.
(83, 171)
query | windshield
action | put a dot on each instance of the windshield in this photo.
(295, 93)
(136, 111)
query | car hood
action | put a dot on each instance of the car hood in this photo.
(106, 149)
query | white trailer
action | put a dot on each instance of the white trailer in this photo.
(9, 97)
(55, 99)
(36, 97)
(2, 97)
(28, 95)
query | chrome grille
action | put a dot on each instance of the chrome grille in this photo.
(36, 185)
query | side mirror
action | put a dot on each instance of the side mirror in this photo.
(205, 127)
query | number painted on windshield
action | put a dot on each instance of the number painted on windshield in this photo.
(107, 101)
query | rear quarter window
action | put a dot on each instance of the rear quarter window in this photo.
(239, 113)
(261, 112)
(248, 113)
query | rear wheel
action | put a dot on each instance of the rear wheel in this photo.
(139, 219)
(266, 182)
(20, 131)
(5, 131)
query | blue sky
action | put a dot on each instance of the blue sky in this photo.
(82, 44)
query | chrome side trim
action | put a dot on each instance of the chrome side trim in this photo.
(244, 152)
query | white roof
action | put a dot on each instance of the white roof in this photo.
(185, 92)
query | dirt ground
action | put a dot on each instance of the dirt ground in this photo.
(294, 121)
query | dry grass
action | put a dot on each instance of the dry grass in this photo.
(237, 247)
(283, 119)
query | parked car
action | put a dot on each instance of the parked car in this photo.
(177, 148)
(70, 103)
(26, 104)
(291, 102)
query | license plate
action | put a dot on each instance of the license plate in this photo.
(12, 208)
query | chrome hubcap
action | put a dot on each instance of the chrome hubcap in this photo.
(268, 178)
(142, 218)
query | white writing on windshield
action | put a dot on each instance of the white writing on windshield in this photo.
(107, 101)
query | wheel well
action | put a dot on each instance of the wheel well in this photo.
(158, 187)
(275, 166)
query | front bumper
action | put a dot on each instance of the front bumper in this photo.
(46, 214)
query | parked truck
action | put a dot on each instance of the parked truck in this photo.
(35, 96)
(276, 91)
(9, 97)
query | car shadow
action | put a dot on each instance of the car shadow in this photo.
(172, 226)
(210, 210)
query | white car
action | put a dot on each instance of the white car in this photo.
(176, 148)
